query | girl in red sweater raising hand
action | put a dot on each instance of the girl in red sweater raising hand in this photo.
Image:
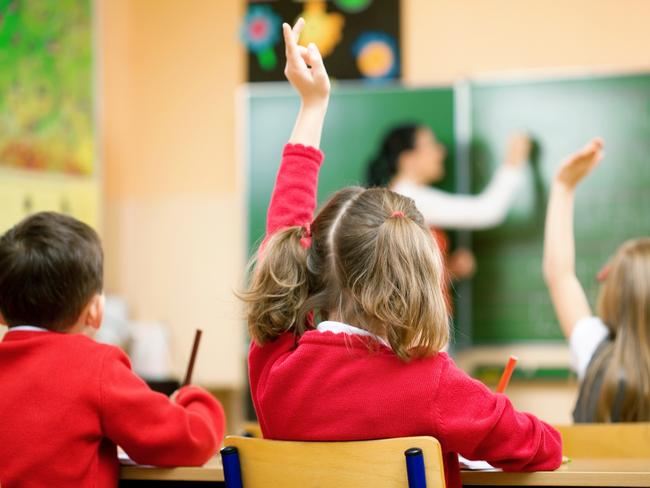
(348, 317)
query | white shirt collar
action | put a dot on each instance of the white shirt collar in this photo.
(31, 328)
(341, 328)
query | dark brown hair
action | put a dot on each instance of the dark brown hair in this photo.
(51, 265)
(372, 263)
(384, 166)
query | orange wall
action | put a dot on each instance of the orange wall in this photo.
(443, 40)
(173, 235)
(168, 72)
(170, 119)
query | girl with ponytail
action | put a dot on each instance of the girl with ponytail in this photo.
(348, 318)
(611, 347)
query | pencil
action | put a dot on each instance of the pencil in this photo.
(190, 366)
(507, 373)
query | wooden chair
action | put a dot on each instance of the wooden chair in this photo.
(625, 440)
(252, 429)
(414, 462)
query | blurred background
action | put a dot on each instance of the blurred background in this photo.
(138, 117)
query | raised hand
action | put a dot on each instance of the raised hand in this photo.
(567, 295)
(461, 264)
(518, 150)
(578, 165)
(305, 69)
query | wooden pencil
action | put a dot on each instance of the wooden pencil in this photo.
(190, 366)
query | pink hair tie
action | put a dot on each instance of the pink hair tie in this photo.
(397, 213)
(305, 240)
(603, 273)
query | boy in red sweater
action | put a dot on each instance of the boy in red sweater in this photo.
(348, 317)
(66, 400)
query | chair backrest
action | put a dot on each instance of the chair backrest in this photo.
(252, 429)
(355, 464)
(624, 440)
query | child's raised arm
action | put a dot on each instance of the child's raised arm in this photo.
(306, 73)
(567, 295)
(293, 201)
(279, 284)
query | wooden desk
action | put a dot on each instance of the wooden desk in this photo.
(142, 475)
(579, 472)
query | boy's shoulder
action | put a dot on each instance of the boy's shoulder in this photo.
(99, 349)
(97, 356)
(86, 349)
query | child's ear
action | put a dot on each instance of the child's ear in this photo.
(95, 312)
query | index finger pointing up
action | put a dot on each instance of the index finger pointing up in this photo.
(290, 43)
(297, 28)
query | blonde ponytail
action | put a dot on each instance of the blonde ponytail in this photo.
(389, 273)
(372, 263)
(278, 288)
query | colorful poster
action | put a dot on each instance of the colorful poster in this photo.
(46, 103)
(359, 39)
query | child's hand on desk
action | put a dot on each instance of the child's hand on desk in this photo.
(174, 396)
(578, 165)
(305, 69)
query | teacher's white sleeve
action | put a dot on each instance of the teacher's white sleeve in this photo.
(452, 211)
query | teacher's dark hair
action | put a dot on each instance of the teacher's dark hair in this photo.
(383, 167)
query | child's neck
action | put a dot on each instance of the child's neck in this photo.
(335, 316)
(81, 328)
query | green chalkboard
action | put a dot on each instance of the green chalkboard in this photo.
(510, 301)
(356, 120)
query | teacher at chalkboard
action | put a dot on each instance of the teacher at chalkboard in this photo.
(410, 159)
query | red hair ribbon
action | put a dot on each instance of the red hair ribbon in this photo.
(397, 213)
(305, 240)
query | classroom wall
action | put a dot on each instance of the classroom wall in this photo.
(167, 77)
(173, 231)
(443, 40)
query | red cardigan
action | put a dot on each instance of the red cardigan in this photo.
(332, 387)
(66, 401)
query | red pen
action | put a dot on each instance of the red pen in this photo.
(507, 373)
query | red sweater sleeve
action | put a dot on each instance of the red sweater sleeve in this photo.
(479, 424)
(149, 426)
(293, 201)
